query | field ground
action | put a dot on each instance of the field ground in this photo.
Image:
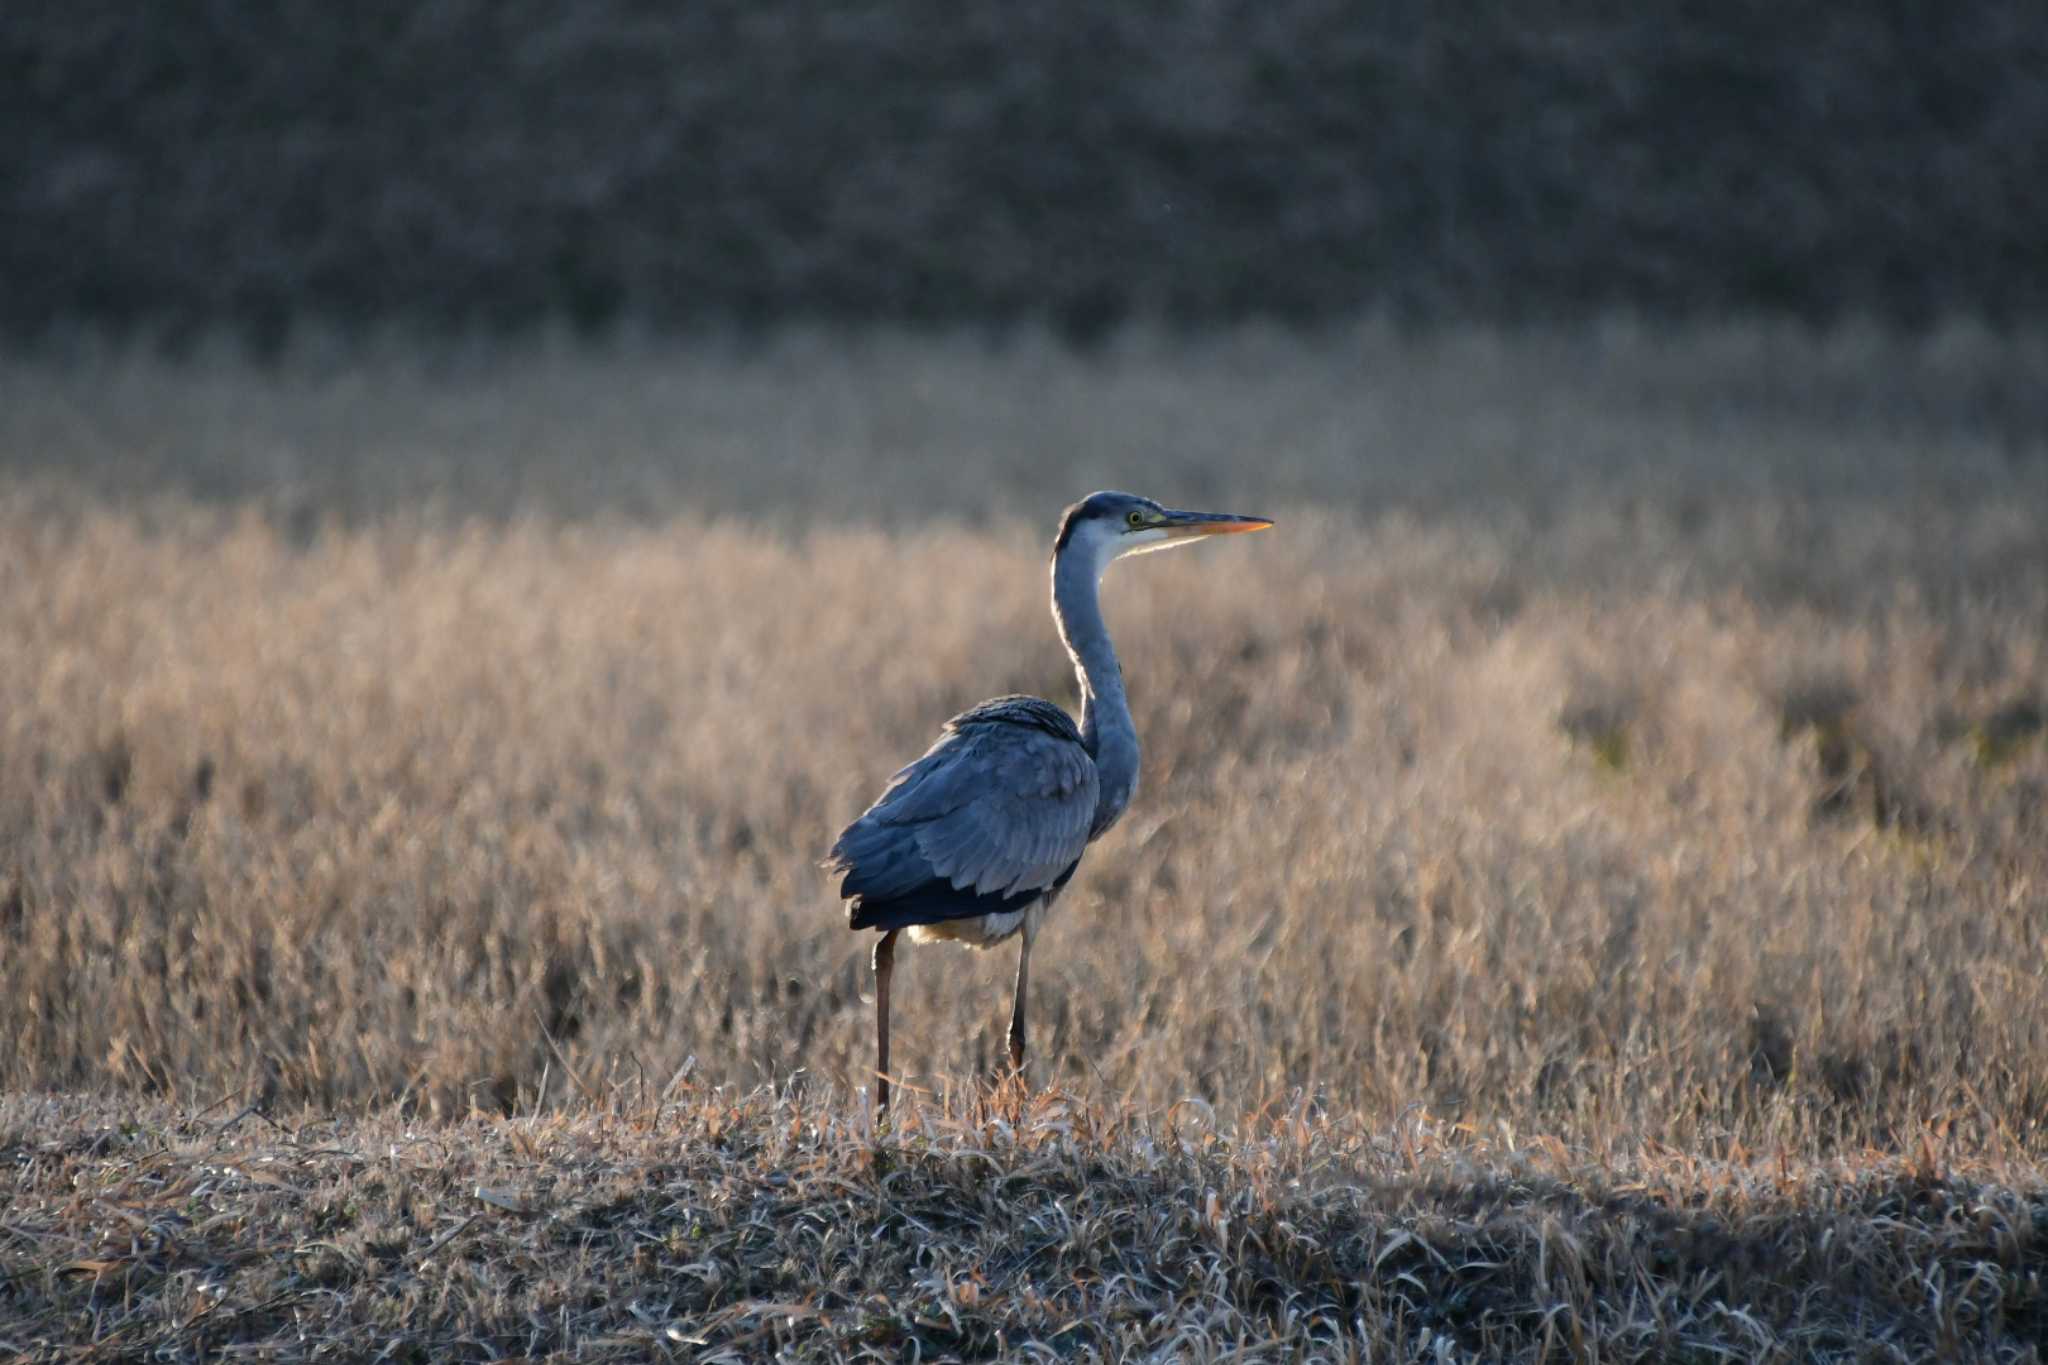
(712, 1228)
(1628, 748)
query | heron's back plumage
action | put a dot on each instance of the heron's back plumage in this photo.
(992, 819)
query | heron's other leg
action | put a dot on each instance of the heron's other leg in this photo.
(885, 962)
(1017, 1008)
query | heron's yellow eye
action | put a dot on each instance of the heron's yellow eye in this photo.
(1136, 518)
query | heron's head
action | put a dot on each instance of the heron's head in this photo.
(1107, 526)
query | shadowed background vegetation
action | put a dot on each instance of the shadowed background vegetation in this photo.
(187, 164)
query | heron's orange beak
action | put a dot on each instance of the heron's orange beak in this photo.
(1187, 525)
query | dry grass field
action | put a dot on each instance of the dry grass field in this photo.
(1627, 751)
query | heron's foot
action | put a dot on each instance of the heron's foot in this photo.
(1017, 1052)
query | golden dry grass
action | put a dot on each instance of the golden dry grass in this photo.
(1629, 740)
(1711, 815)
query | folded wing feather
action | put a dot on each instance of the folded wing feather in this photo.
(1002, 804)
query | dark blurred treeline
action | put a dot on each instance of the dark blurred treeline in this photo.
(186, 163)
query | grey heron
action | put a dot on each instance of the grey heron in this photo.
(975, 841)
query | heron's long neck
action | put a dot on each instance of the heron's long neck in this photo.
(1106, 726)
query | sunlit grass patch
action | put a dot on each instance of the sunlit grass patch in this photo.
(460, 736)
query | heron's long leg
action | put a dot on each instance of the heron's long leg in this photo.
(1017, 1009)
(885, 962)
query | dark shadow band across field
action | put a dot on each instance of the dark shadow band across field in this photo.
(710, 1227)
(814, 426)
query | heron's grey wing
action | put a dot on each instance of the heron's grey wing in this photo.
(1011, 813)
(1001, 806)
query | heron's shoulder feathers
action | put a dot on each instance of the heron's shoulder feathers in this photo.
(1034, 712)
(1003, 803)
